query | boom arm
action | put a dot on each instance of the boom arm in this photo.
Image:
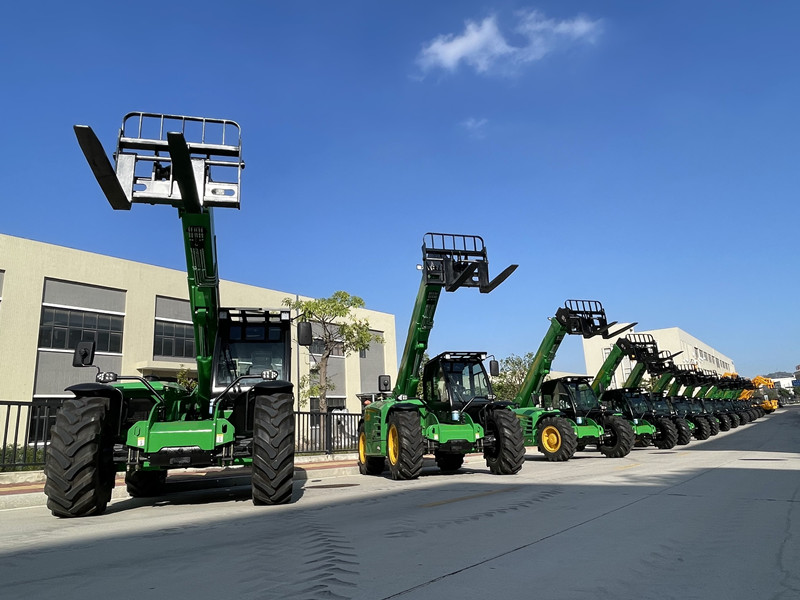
(155, 164)
(584, 317)
(450, 261)
(640, 347)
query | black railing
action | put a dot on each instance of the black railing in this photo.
(25, 432)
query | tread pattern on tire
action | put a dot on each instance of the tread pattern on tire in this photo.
(714, 423)
(684, 431)
(411, 450)
(509, 454)
(273, 448)
(622, 440)
(569, 439)
(702, 430)
(724, 422)
(79, 467)
(667, 434)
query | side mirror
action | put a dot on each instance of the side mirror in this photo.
(494, 368)
(384, 383)
(84, 354)
(304, 335)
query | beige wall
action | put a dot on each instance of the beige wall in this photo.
(27, 263)
(671, 339)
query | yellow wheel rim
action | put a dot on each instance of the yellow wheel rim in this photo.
(551, 439)
(362, 447)
(394, 445)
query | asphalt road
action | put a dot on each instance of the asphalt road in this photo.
(715, 519)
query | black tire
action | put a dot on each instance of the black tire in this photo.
(666, 435)
(619, 442)
(273, 448)
(714, 424)
(744, 418)
(684, 431)
(556, 439)
(735, 422)
(404, 444)
(449, 462)
(79, 466)
(368, 465)
(508, 454)
(702, 430)
(724, 422)
(145, 484)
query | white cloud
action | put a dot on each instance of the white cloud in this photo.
(483, 46)
(475, 127)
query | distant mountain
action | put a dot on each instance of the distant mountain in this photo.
(779, 374)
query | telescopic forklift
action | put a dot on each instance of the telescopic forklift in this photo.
(562, 415)
(456, 413)
(652, 425)
(241, 411)
(767, 405)
(686, 407)
(664, 373)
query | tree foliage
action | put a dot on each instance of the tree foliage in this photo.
(337, 326)
(513, 370)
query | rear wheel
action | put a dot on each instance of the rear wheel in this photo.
(712, 421)
(667, 436)
(145, 484)
(80, 460)
(507, 455)
(273, 449)
(368, 465)
(702, 430)
(556, 439)
(405, 444)
(684, 431)
(449, 462)
(619, 437)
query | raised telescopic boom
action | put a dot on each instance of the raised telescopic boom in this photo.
(580, 317)
(639, 347)
(169, 159)
(449, 261)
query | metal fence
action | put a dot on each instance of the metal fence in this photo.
(25, 432)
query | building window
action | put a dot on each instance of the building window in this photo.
(362, 353)
(174, 340)
(63, 328)
(318, 347)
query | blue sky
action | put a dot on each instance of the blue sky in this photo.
(643, 154)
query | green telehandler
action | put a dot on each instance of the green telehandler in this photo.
(564, 414)
(456, 413)
(652, 424)
(241, 411)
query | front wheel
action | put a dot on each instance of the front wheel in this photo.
(684, 431)
(79, 467)
(724, 422)
(405, 444)
(714, 423)
(368, 465)
(702, 430)
(620, 438)
(667, 436)
(273, 449)
(556, 439)
(507, 455)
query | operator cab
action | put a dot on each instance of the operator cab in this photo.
(250, 342)
(456, 381)
(631, 402)
(571, 395)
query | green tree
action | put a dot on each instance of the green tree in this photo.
(513, 370)
(337, 329)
